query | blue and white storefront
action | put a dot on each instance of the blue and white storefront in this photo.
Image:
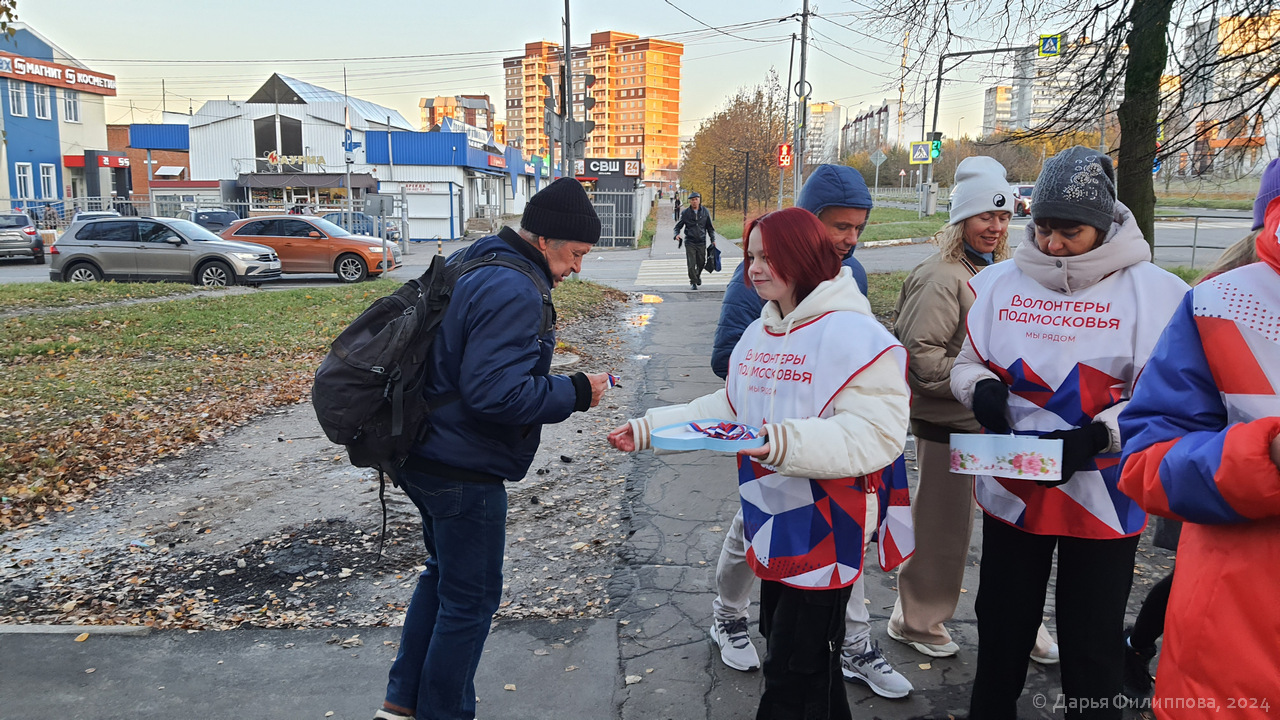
(54, 123)
(446, 181)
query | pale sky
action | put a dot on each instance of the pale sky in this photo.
(206, 50)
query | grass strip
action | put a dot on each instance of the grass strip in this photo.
(650, 227)
(87, 395)
(26, 296)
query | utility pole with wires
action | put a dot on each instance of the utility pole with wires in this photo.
(566, 90)
(802, 112)
(786, 114)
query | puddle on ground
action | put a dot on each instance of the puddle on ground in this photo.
(650, 299)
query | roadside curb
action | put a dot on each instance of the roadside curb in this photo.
(121, 630)
(893, 243)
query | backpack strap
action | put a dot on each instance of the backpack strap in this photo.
(524, 268)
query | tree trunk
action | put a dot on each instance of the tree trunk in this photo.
(1139, 113)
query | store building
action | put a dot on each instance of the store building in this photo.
(291, 144)
(155, 152)
(54, 123)
(450, 178)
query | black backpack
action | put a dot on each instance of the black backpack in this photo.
(368, 391)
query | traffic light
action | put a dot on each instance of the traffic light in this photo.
(935, 144)
(784, 155)
(588, 102)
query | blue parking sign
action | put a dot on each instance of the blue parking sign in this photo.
(1050, 45)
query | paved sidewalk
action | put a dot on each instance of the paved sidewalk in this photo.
(679, 507)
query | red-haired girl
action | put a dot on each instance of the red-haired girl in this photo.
(826, 382)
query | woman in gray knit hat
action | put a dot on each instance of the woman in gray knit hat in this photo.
(1056, 340)
(930, 322)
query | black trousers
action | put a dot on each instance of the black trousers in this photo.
(804, 630)
(1150, 623)
(1094, 578)
(695, 254)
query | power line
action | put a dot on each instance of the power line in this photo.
(682, 12)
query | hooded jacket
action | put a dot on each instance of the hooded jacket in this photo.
(829, 454)
(489, 354)
(742, 306)
(1198, 436)
(1069, 336)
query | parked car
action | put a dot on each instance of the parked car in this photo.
(363, 224)
(1022, 199)
(157, 249)
(19, 237)
(308, 244)
(90, 214)
(213, 219)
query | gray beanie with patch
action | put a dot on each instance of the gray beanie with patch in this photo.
(1077, 184)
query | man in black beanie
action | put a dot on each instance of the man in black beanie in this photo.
(489, 381)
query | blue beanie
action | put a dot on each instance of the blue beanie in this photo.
(834, 185)
(1269, 190)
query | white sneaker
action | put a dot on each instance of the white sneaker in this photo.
(939, 651)
(1045, 651)
(734, 640)
(871, 667)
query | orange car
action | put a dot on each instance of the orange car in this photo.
(308, 244)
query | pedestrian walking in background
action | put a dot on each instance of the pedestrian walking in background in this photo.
(50, 217)
(489, 377)
(675, 208)
(696, 222)
(1203, 447)
(930, 321)
(805, 492)
(838, 196)
(1055, 341)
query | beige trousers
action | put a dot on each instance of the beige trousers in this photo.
(929, 582)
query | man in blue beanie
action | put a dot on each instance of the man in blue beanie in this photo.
(838, 195)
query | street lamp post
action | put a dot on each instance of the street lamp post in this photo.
(958, 128)
(713, 193)
(746, 181)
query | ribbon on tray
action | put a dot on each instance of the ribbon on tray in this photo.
(725, 431)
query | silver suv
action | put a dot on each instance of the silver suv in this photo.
(20, 238)
(146, 249)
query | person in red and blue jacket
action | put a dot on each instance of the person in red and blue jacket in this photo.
(1203, 446)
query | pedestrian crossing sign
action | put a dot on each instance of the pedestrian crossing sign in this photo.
(1050, 45)
(921, 153)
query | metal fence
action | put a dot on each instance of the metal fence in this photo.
(619, 220)
(1194, 245)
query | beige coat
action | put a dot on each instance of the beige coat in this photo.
(929, 320)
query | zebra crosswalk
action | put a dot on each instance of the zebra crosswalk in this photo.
(675, 273)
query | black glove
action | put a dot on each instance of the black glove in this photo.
(991, 405)
(1079, 446)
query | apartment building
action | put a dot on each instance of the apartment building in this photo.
(822, 134)
(1041, 85)
(888, 124)
(474, 110)
(1227, 139)
(637, 94)
(997, 110)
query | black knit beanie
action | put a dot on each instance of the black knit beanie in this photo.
(562, 211)
(1078, 184)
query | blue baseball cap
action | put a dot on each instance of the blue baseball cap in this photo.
(834, 186)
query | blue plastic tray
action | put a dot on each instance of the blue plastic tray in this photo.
(682, 437)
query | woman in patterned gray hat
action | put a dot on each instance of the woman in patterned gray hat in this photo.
(1056, 340)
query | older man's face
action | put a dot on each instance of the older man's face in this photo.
(564, 257)
(844, 225)
(695, 203)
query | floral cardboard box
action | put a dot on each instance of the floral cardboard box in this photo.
(1012, 456)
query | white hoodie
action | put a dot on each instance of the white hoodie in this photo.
(868, 428)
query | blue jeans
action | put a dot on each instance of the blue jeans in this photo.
(464, 527)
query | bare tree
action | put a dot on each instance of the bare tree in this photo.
(1211, 95)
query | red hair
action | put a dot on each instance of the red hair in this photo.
(799, 251)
